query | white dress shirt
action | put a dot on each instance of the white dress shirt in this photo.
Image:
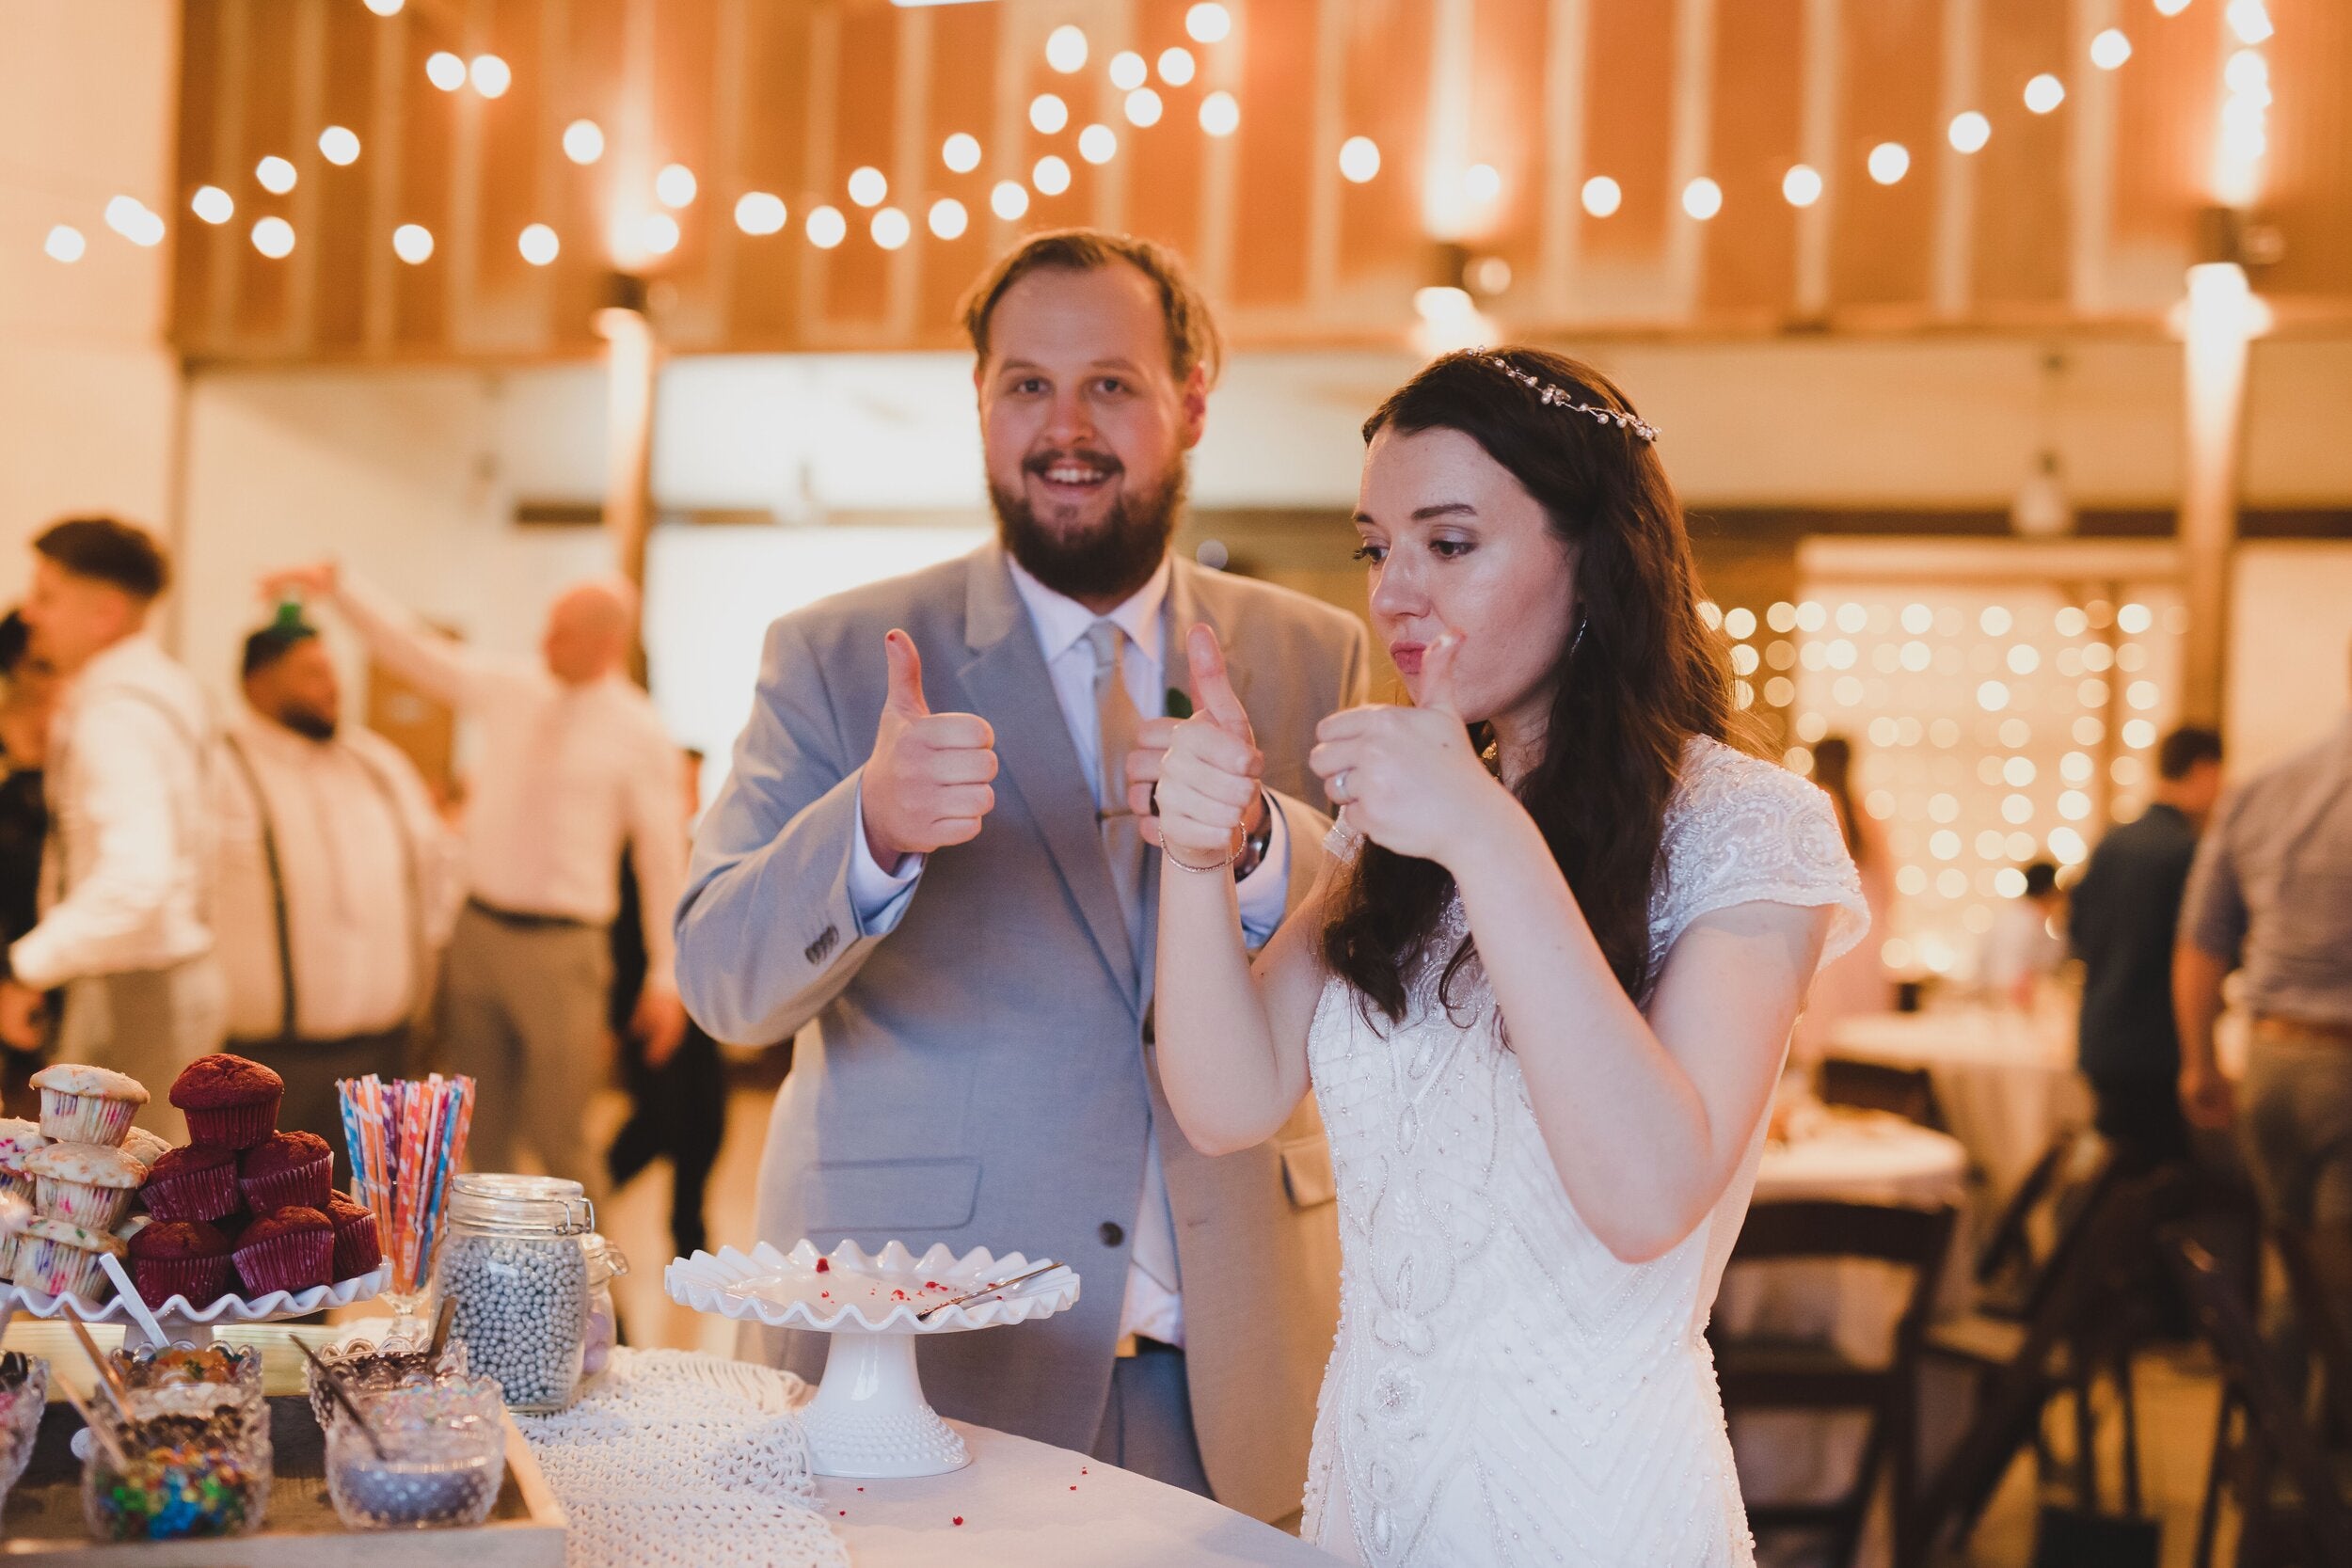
(563, 778)
(124, 888)
(879, 900)
(366, 869)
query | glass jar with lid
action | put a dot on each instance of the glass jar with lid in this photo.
(515, 1265)
(606, 1263)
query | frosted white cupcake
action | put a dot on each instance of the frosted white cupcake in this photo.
(87, 1105)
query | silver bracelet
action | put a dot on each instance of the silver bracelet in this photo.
(1181, 865)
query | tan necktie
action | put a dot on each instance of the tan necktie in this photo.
(1117, 724)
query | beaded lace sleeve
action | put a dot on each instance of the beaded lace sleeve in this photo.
(1740, 829)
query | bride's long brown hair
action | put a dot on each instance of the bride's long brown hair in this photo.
(1639, 674)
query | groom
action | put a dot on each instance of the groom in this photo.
(929, 843)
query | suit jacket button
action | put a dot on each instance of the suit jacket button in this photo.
(1112, 1233)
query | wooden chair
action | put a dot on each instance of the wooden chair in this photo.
(1769, 1374)
(1909, 1092)
(2291, 1499)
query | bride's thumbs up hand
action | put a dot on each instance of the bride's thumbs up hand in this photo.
(1208, 778)
(1407, 778)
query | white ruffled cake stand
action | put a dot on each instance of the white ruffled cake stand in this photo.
(869, 1419)
(184, 1322)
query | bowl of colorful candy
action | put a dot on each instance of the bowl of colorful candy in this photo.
(177, 1475)
(23, 1395)
(431, 1455)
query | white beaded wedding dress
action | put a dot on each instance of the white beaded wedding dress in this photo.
(1503, 1390)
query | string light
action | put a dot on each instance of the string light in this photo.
(538, 245)
(128, 216)
(411, 241)
(583, 141)
(1208, 23)
(1359, 159)
(2170, 7)
(1969, 132)
(1066, 48)
(1099, 144)
(274, 237)
(1008, 200)
(949, 219)
(961, 153)
(1051, 176)
(491, 76)
(1701, 198)
(1128, 71)
(1143, 107)
(212, 204)
(2043, 93)
(1048, 113)
(1482, 183)
(659, 233)
(1220, 114)
(340, 145)
(384, 8)
(675, 185)
(759, 212)
(2110, 49)
(2250, 19)
(1176, 65)
(891, 229)
(277, 176)
(445, 70)
(64, 244)
(1801, 185)
(827, 227)
(1889, 162)
(1602, 196)
(868, 186)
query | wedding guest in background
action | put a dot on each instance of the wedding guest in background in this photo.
(1857, 981)
(977, 945)
(2122, 919)
(28, 702)
(335, 883)
(122, 928)
(572, 764)
(2270, 894)
(2024, 944)
(677, 1097)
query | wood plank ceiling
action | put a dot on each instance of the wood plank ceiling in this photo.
(2082, 216)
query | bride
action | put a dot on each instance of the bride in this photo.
(1542, 1005)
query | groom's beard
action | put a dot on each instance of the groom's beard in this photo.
(1112, 559)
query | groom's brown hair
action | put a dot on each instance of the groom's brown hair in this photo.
(1192, 336)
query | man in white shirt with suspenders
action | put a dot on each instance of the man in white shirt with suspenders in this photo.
(122, 928)
(337, 881)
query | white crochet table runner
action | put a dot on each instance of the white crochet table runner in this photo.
(674, 1457)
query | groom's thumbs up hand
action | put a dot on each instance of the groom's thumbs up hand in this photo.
(927, 784)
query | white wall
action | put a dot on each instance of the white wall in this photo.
(88, 389)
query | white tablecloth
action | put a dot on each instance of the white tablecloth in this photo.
(2006, 1079)
(1026, 1505)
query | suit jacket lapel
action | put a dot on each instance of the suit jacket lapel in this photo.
(1010, 688)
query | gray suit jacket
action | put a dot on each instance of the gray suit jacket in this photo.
(985, 1074)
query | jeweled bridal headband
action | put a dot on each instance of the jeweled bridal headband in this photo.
(1546, 392)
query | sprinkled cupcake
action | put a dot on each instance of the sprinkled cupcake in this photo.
(229, 1100)
(18, 1138)
(61, 1258)
(290, 1251)
(87, 1104)
(198, 1183)
(357, 1249)
(287, 1170)
(144, 1147)
(181, 1258)
(87, 1183)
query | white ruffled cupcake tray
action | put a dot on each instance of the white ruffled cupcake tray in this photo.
(184, 1321)
(868, 1419)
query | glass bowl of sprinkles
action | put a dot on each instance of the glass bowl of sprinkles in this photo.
(436, 1461)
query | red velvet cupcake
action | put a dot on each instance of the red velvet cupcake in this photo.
(198, 1183)
(357, 1249)
(290, 1251)
(181, 1258)
(229, 1101)
(287, 1170)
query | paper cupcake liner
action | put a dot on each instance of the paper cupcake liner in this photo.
(16, 1184)
(195, 1195)
(92, 1207)
(84, 1118)
(304, 1187)
(202, 1280)
(289, 1262)
(357, 1249)
(59, 1268)
(9, 1242)
(233, 1126)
